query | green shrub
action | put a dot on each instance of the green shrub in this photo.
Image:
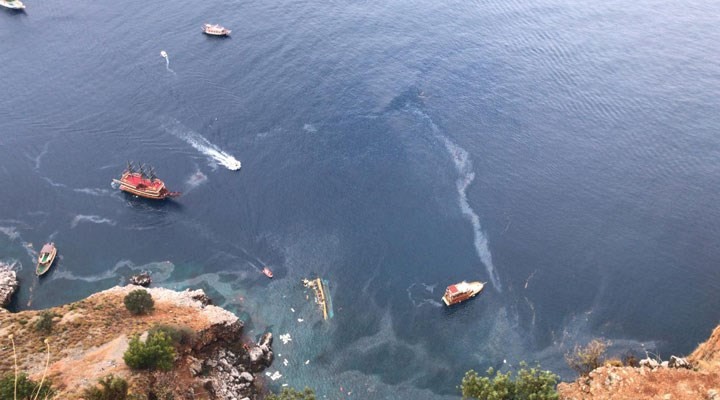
(27, 389)
(108, 388)
(45, 322)
(529, 384)
(292, 394)
(179, 334)
(157, 352)
(139, 301)
(585, 359)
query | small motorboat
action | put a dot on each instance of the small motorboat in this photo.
(46, 258)
(163, 53)
(266, 271)
(12, 4)
(215, 30)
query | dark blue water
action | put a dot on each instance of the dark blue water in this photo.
(566, 153)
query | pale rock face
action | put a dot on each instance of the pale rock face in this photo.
(8, 284)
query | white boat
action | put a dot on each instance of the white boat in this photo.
(215, 30)
(163, 54)
(12, 4)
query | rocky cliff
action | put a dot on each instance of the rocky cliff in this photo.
(89, 337)
(655, 380)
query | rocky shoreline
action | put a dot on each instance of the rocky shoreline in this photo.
(90, 336)
(8, 284)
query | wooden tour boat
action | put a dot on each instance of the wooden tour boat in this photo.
(462, 291)
(46, 258)
(215, 30)
(141, 181)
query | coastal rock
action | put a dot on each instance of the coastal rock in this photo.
(202, 298)
(8, 284)
(679, 362)
(649, 363)
(142, 279)
(261, 355)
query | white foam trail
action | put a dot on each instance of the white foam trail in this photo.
(420, 302)
(160, 271)
(10, 232)
(201, 144)
(195, 180)
(38, 159)
(309, 128)
(95, 219)
(463, 164)
(164, 55)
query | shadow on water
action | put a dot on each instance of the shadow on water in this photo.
(141, 203)
(448, 311)
(15, 11)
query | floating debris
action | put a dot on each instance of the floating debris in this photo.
(307, 362)
(285, 362)
(292, 309)
(286, 338)
(275, 376)
(300, 320)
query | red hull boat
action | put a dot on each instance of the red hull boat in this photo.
(141, 181)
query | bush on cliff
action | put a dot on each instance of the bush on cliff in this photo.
(157, 352)
(292, 394)
(585, 359)
(27, 389)
(44, 323)
(108, 388)
(180, 335)
(139, 302)
(529, 384)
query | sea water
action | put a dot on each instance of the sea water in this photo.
(565, 153)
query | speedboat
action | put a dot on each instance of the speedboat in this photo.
(12, 4)
(163, 54)
(46, 258)
(267, 272)
(215, 30)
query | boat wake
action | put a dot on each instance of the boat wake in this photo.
(95, 219)
(201, 144)
(160, 271)
(164, 55)
(195, 180)
(421, 294)
(463, 165)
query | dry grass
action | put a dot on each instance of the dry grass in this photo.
(85, 334)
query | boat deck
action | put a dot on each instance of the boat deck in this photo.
(322, 295)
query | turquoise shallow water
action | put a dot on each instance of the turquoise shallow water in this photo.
(567, 154)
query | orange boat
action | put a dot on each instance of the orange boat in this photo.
(462, 291)
(141, 181)
(267, 272)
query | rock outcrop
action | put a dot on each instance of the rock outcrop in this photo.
(89, 338)
(8, 284)
(694, 378)
(142, 279)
